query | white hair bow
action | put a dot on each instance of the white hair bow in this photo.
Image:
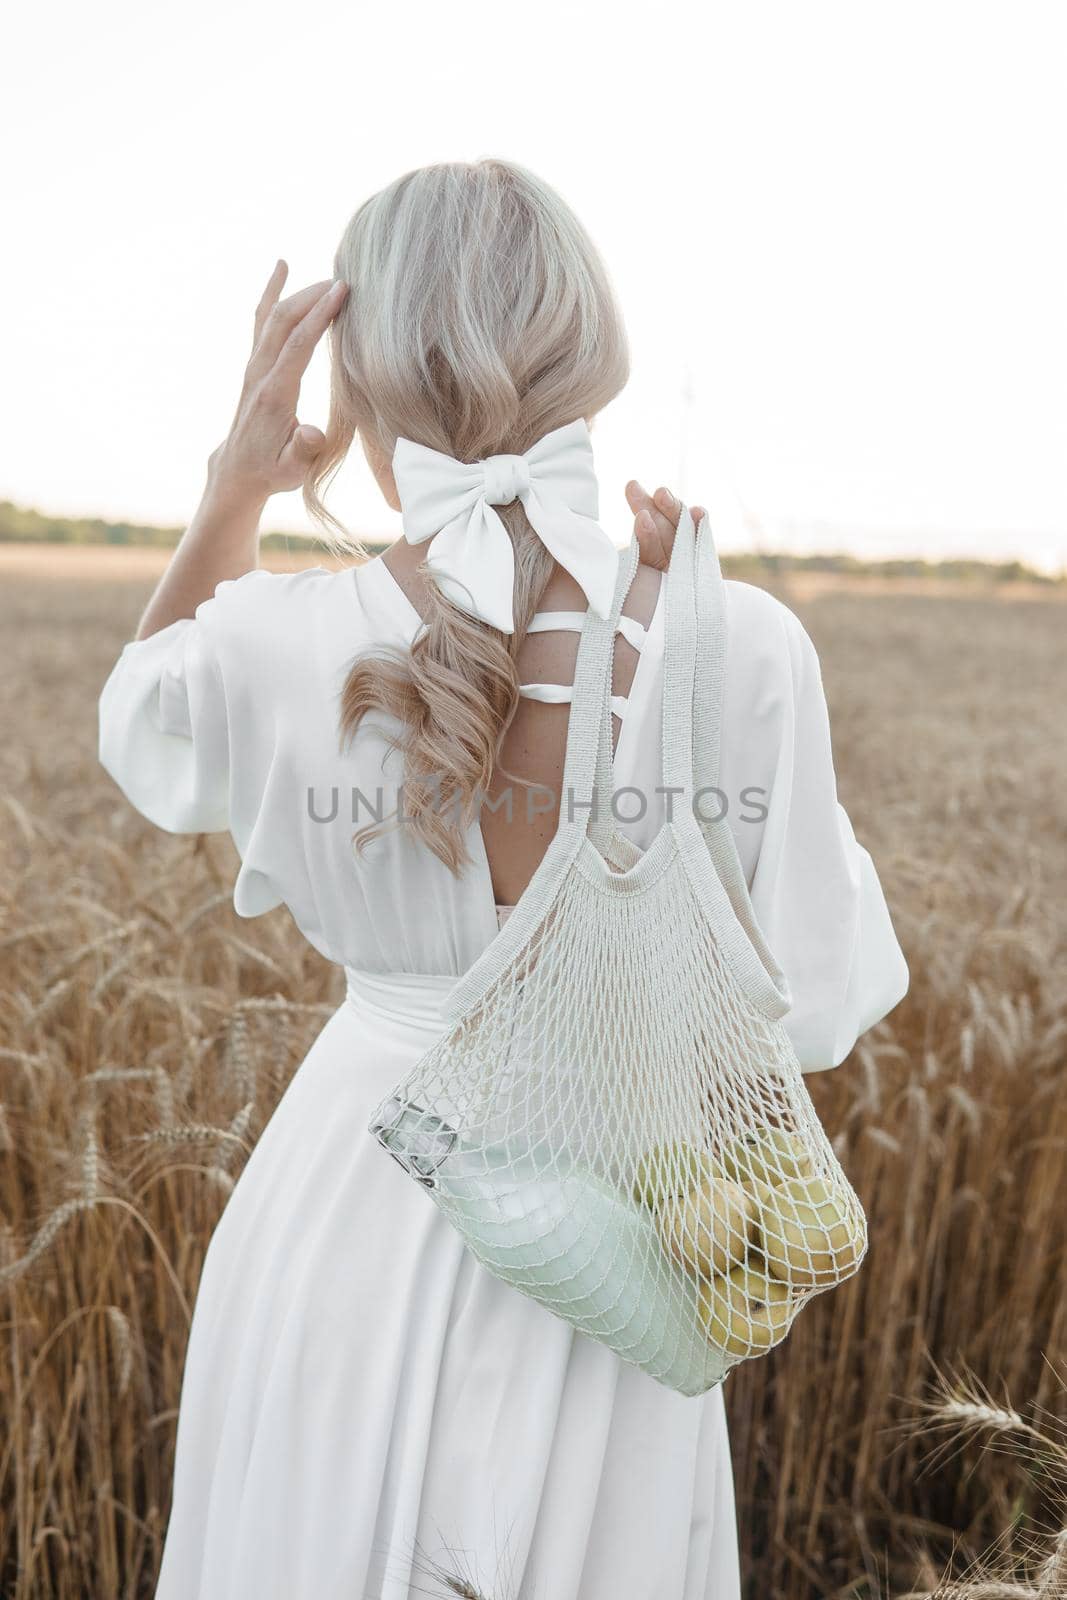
(471, 558)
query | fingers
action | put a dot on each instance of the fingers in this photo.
(304, 445)
(308, 440)
(655, 535)
(301, 449)
(636, 496)
(655, 524)
(278, 323)
(662, 503)
(269, 299)
(668, 506)
(282, 384)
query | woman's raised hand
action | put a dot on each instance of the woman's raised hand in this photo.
(268, 449)
(656, 522)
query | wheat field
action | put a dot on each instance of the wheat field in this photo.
(146, 1034)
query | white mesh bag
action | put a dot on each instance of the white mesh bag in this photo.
(616, 1120)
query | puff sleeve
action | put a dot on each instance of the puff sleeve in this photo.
(179, 728)
(814, 889)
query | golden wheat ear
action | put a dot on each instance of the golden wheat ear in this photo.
(455, 1583)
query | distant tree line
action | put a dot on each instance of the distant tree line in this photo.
(22, 523)
(765, 564)
(19, 522)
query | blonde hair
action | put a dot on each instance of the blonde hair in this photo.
(479, 317)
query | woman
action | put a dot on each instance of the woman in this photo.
(357, 1388)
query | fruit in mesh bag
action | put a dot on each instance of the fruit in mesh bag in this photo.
(710, 1229)
(746, 1311)
(771, 1157)
(812, 1232)
(706, 1221)
(666, 1171)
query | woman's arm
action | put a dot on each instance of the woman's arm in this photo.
(266, 451)
(222, 541)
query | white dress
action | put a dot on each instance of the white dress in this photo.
(357, 1388)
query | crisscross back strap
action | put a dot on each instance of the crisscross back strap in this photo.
(633, 632)
(554, 694)
(559, 694)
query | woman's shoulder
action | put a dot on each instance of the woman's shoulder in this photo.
(260, 598)
(758, 606)
(763, 634)
(760, 621)
(770, 657)
(281, 607)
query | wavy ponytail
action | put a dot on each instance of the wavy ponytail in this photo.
(479, 317)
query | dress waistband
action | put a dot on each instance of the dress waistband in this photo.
(415, 998)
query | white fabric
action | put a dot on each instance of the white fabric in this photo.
(559, 694)
(228, 720)
(353, 1375)
(355, 1382)
(576, 1051)
(471, 558)
(571, 622)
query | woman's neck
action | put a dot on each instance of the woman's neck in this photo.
(561, 592)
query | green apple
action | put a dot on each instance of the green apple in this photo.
(772, 1157)
(745, 1312)
(710, 1229)
(812, 1233)
(667, 1171)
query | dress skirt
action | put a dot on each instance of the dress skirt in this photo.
(362, 1398)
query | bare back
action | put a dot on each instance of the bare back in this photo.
(517, 835)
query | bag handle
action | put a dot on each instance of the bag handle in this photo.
(590, 703)
(693, 680)
(709, 682)
(710, 676)
(678, 672)
(679, 666)
(603, 832)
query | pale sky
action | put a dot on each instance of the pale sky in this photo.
(841, 223)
